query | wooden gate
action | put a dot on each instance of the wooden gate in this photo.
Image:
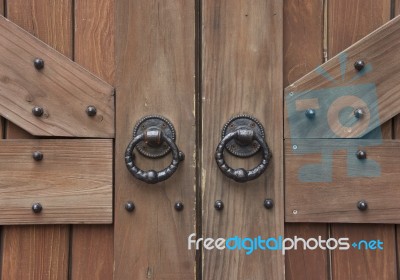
(199, 75)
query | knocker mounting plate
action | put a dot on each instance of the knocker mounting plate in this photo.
(243, 122)
(150, 149)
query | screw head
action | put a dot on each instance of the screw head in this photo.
(310, 113)
(219, 205)
(178, 206)
(359, 65)
(129, 206)
(37, 208)
(181, 156)
(38, 63)
(37, 155)
(91, 111)
(358, 113)
(362, 205)
(268, 203)
(37, 111)
(361, 154)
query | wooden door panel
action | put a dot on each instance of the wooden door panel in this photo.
(335, 198)
(53, 25)
(241, 74)
(92, 246)
(155, 75)
(303, 26)
(73, 181)
(365, 17)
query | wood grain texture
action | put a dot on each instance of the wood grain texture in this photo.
(307, 264)
(92, 246)
(92, 252)
(50, 19)
(365, 264)
(303, 26)
(35, 252)
(325, 184)
(242, 73)
(349, 21)
(155, 75)
(373, 14)
(380, 82)
(60, 84)
(73, 182)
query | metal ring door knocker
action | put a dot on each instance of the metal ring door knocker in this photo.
(243, 136)
(154, 137)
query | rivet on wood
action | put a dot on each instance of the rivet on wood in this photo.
(178, 206)
(361, 154)
(37, 111)
(268, 203)
(359, 65)
(129, 206)
(37, 155)
(358, 113)
(91, 111)
(219, 205)
(37, 208)
(310, 113)
(362, 205)
(38, 63)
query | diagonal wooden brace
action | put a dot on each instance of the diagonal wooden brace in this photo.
(336, 89)
(63, 89)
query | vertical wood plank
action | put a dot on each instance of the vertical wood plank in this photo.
(242, 73)
(396, 135)
(348, 22)
(92, 247)
(39, 252)
(155, 46)
(92, 252)
(35, 252)
(303, 26)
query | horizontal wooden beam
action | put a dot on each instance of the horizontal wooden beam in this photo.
(324, 180)
(335, 89)
(73, 181)
(62, 88)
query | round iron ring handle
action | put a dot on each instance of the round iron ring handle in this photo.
(152, 176)
(242, 175)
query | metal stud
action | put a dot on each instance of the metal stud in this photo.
(129, 206)
(178, 206)
(361, 154)
(359, 65)
(37, 208)
(219, 205)
(91, 111)
(268, 203)
(37, 111)
(362, 205)
(310, 113)
(358, 113)
(37, 155)
(38, 63)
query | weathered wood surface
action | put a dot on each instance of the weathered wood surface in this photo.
(303, 26)
(364, 17)
(51, 23)
(62, 88)
(324, 184)
(155, 75)
(73, 182)
(242, 73)
(92, 246)
(376, 88)
(35, 252)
